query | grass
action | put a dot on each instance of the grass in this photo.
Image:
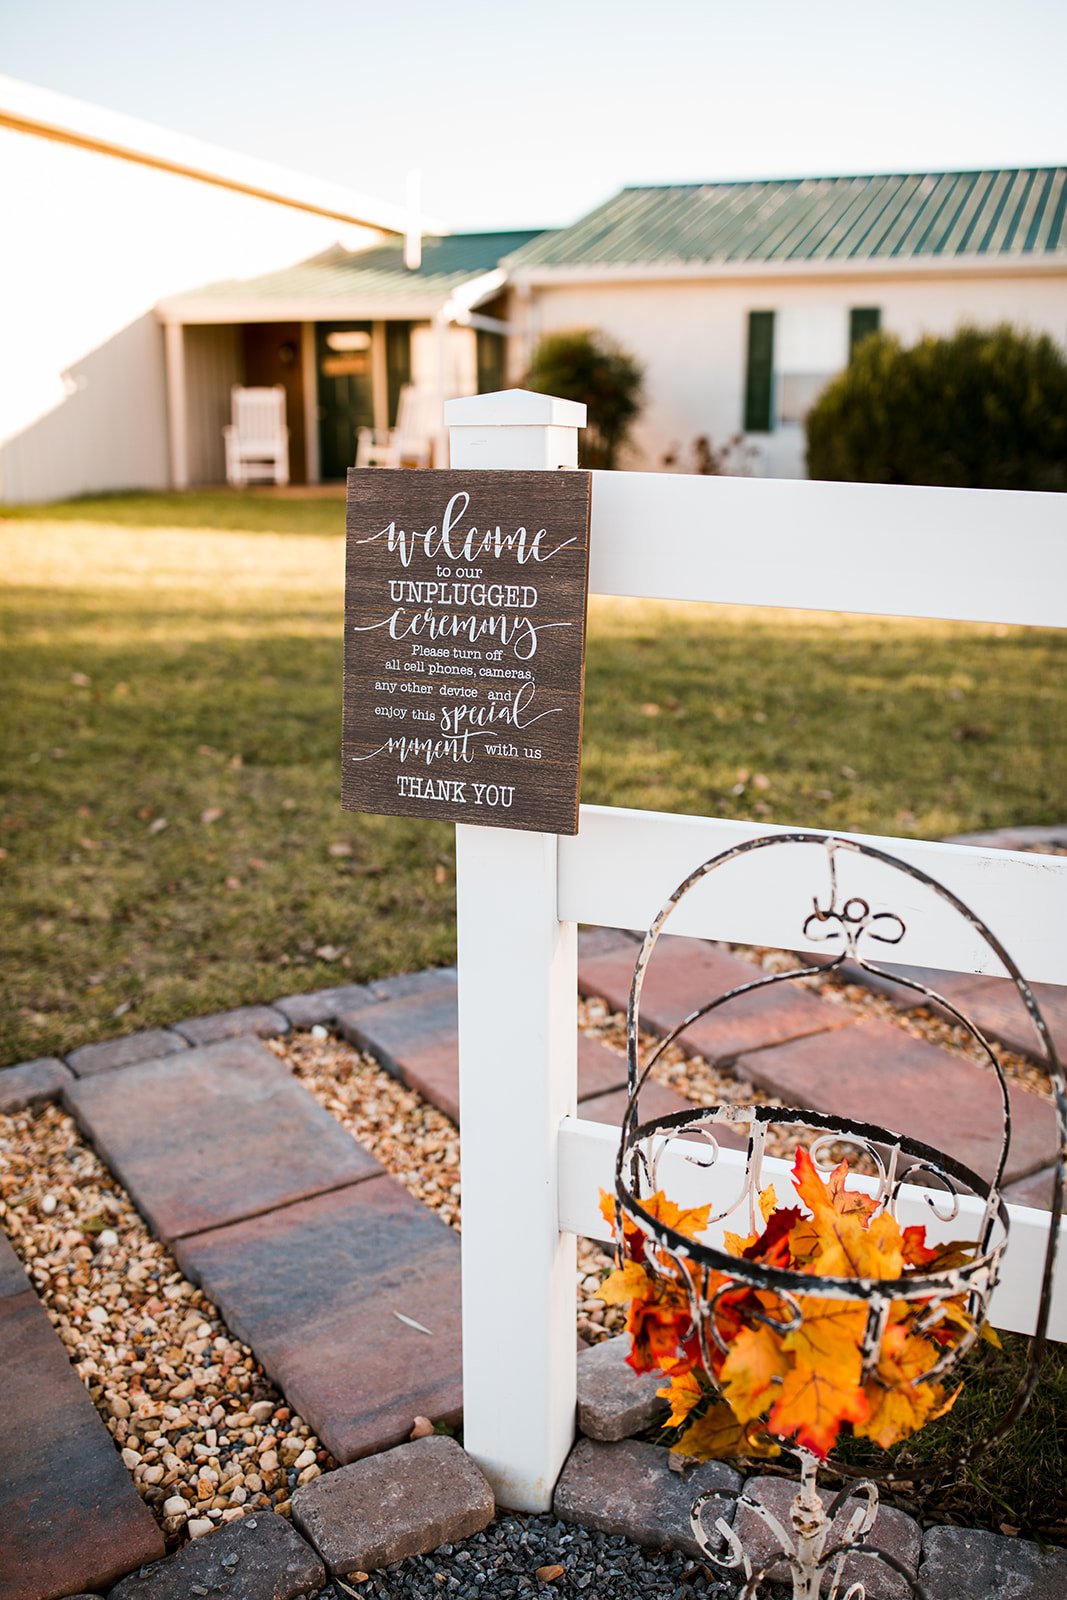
(1020, 1480)
(169, 817)
(170, 729)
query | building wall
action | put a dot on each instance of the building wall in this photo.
(91, 243)
(691, 340)
(213, 364)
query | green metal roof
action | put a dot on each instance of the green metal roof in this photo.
(377, 273)
(1017, 213)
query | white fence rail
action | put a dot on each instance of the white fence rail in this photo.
(531, 1169)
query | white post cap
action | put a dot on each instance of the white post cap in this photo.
(514, 408)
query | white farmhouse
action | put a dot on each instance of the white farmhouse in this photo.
(144, 274)
(740, 300)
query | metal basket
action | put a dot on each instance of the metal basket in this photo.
(893, 1158)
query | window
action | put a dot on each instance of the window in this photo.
(792, 355)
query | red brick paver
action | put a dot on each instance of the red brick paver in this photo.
(70, 1516)
(212, 1135)
(320, 1289)
(876, 1073)
(416, 1038)
(685, 974)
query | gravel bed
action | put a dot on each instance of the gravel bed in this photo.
(419, 1146)
(503, 1562)
(204, 1434)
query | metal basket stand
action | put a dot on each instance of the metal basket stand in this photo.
(894, 1159)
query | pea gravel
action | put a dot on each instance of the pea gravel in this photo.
(501, 1563)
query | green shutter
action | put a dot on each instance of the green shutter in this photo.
(490, 353)
(862, 320)
(398, 362)
(759, 372)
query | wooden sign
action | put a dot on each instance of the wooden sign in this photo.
(465, 602)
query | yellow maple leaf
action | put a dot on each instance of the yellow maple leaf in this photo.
(718, 1434)
(830, 1338)
(767, 1201)
(626, 1283)
(813, 1408)
(898, 1412)
(684, 1391)
(755, 1362)
(735, 1244)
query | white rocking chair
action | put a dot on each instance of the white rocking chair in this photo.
(257, 440)
(410, 443)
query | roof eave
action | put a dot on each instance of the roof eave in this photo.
(28, 109)
(201, 311)
(536, 277)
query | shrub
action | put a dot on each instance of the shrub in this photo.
(985, 409)
(587, 366)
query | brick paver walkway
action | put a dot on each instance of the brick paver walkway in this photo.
(316, 1257)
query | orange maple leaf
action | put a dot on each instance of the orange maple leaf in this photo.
(830, 1339)
(718, 1433)
(813, 1408)
(625, 1284)
(755, 1362)
(683, 1391)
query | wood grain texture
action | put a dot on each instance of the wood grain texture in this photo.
(465, 603)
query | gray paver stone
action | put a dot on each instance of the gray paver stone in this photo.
(402, 1503)
(324, 1006)
(964, 1563)
(255, 1558)
(894, 1532)
(627, 1488)
(69, 1512)
(319, 1290)
(149, 1045)
(264, 1021)
(614, 1402)
(12, 1278)
(213, 1135)
(409, 983)
(31, 1082)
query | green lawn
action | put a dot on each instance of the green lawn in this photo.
(169, 816)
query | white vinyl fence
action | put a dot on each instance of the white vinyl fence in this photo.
(531, 1167)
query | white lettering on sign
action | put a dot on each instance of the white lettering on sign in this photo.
(464, 640)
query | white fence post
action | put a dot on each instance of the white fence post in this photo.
(518, 1075)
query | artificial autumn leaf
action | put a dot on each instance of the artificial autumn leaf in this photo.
(914, 1247)
(622, 1285)
(767, 1201)
(756, 1361)
(896, 1413)
(690, 1222)
(830, 1339)
(683, 1392)
(659, 1330)
(736, 1244)
(718, 1433)
(773, 1246)
(813, 1408)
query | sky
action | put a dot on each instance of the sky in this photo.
(529, 115)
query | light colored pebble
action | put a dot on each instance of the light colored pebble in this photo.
(175, 1506)
(107, 1239)
(49, 1204)
(130, 1458)
(304, 1459)
(196, 1527)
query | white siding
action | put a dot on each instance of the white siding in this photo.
(92, 242)
(212, 367)
(691, 339)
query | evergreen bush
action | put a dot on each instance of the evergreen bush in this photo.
(588, 366)
(985, 409)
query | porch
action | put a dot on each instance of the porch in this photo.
(342, 334)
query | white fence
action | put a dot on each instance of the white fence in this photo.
(531, 1168)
